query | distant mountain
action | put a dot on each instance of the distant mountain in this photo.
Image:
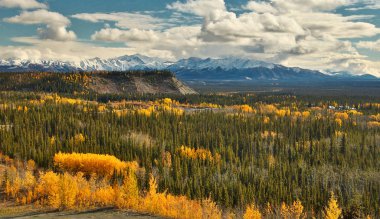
(235, 69)
(230, 69)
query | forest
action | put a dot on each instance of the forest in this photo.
(193, 156)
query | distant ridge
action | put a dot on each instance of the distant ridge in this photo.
(191, 69)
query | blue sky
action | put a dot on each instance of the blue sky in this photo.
(328, 35)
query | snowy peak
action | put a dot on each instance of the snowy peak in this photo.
(228, 68)
(123, 63)
(228, 63)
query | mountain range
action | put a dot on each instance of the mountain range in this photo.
(230, 69)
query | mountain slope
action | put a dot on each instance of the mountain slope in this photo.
(101, 82)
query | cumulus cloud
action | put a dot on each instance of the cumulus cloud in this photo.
(308, 34)
(117, 35)
(302, 33)
(45, 49)
(56, 24)
(286, 31)
(176, 41)
(204, 8)
(372, 45)
(309, 5)
(366, 5)
(123, 19)
(23, 4)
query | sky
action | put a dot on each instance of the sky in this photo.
(326, 35)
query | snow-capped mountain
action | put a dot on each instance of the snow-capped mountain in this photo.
(222, 63)
(191, 69)
(123, 63)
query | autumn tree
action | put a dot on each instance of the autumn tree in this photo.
(332, 211)
(252, 212)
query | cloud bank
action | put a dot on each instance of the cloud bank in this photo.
(56, 24)
(23, 4)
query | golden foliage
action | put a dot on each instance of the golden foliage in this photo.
(297, 209)
(285, 211)
(147, 112)
(77, 139)
(373, 124)
(48, 190)
(52, 140)
(244, 108)
(375, 117)
(268, 109)
(210, 210)
(102, 108)
(338, 122)
(269, 134)
(305, 114)
(202, 154)
(293, 211)
(101, 165)
(282, 112)
(209, 105)
(266, 119)
(332, 211)
(128, 194)
(167, 205)
(341, 115)
(355, 113)
(252, 212)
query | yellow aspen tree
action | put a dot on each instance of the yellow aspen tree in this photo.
(84, 191)
(252, 212)
(297, 209)
(129, 194)
(30, 165)
(29, 181)
(210, 210)
(68, 191)
(48, 189)
(332, 211)
(285, 211)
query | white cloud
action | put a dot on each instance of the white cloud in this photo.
(117, 35)
(42, 49)
(372, 45)
(177, 41)
(286, 31)
(56, 24)
(204, 8)
(39, 17)
(302, 33)
(23, 4)
(123, 19)
(365, 5)
(260, 7)
(309, 5)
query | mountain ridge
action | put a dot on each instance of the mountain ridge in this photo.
(193, 68)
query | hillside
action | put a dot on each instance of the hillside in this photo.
(150, 82)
